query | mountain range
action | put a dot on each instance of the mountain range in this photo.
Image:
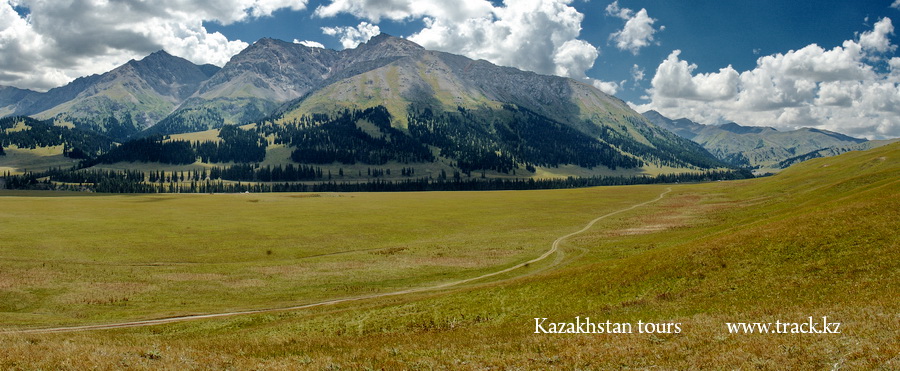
(386, 101)
(471, 113)
(763, 149)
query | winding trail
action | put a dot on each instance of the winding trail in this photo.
(553, 249)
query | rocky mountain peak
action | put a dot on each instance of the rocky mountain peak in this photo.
(387, 39)
(740, 129)
(159, 54)
(383, 46)
(266, 41)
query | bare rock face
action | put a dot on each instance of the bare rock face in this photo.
(171, 77)
(282, 71)
(270, 69)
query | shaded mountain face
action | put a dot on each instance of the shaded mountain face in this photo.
(11, 98)
(764, 149)
(171, 77)
(252, 84)
(269, 69)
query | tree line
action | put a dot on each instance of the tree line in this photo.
(237, 145)
(338, 138)
(77, 143)
(237, 172)
(504, 140)
(131, 181)
(496, 140)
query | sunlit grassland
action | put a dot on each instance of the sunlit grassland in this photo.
(74, 260)
(819, 239)
(18, 160)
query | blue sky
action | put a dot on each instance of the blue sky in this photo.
(830, 64)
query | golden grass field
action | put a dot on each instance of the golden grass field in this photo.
(819, 239)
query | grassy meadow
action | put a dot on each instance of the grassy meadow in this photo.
(819, 239)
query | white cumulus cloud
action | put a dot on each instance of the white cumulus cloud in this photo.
(840, 89)
(534, 35)
(352, 36)
(375, 10)
(608, 87)
(59, 41)
(574, 57)
(637, 73)
(879, 38)
(638, 30)
(675, 79)
(309, 43)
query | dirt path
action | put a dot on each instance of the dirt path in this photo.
(553, 249)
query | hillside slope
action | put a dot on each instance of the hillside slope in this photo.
(816, 240)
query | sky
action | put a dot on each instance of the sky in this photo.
(827, 64)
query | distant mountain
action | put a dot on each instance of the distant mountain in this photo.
(762, 148)
(22, 102)
(134, 96)
(118, 103)
(11, 98)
